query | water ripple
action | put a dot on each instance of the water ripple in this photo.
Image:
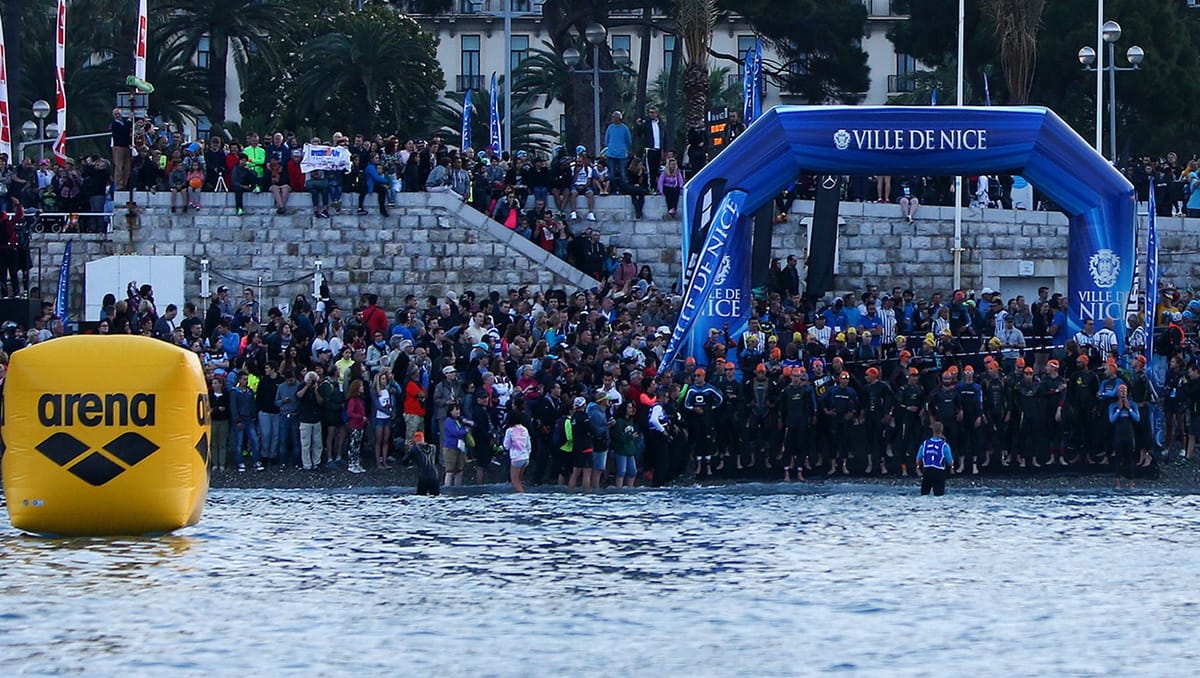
(749, 579)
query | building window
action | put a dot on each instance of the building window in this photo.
(624, 42)
(744, 45)
(905, 79)
(203, 128)
(203, 52)
(471, 77)
(519, 51)
(668, 52)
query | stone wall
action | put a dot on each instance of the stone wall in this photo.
(432, 243)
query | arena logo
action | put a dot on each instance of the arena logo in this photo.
(93, 409)
(911, 139)
(99, 466)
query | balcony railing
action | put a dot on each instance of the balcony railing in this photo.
(497, 6)
(466, 82)
(902, 82)
(881, 9)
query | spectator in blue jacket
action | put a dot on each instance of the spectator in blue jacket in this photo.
(619, 142)
(374, 182)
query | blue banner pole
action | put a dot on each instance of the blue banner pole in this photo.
(64, 280)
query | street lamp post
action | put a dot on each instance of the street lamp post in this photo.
(1111, 32)
(596, 35)
(41, 110)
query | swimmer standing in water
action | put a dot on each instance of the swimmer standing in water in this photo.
(932, 459)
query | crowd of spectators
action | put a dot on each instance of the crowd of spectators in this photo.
(848, 384)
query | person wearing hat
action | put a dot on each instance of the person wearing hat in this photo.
(1053, 388)
(970, 396)
(1082, 392)
(1012, 341)
(728, 424)
(841, 408)
(996, 398)
(798, 405)
(1028, 412)
(581, 445)
(583, 184)
(944, 406)
(760, 397)
(1124, 417)
(878, 404)
(1141, 392)
(699, 404)
(910, 401)
(601, 425)
(448, 389)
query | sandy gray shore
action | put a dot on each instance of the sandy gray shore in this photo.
(1174, 478)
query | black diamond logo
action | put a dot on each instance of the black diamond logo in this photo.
(202, 447)
(96, 469)
(131, 448)
(61, 448)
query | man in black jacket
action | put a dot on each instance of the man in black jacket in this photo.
(652, 133)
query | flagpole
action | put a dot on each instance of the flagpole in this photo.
(5, 118)
(60, 82)
(1100, 78)
(958, 179)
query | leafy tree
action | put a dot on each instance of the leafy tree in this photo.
(179, 84)
(1016, 28)
(819, 43)
(378, 62)
(695, 21)
(1154, 105)
(243, 26)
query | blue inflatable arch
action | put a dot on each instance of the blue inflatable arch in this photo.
(719, 202)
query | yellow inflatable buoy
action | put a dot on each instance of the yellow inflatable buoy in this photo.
(105, 435)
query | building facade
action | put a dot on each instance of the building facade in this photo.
(472, 44)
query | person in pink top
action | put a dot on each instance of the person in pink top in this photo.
(356, 422)
(670, 183)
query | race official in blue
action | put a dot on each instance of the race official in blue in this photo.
(932, 460)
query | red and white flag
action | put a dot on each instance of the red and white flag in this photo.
(5, 127)
(139, 54)
(60, 83)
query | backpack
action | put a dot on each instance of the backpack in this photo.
(562, 434)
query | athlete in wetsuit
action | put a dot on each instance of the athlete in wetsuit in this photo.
(878, 402)
(944, 407)
(799, 409)
(995, 414)
(970, 437)
(1124, 416)
(841, 406)
(1052, 389)
(1027, 410)
(760, 417)
(700, 402)
(821, 382)
(910, 403)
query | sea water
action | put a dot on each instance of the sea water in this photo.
(746, 580)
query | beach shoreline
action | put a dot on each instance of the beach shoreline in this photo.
(1174, 478)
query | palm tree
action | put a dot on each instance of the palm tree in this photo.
(529, 132)
(378, 63)
(179, 84)
(695, 21)
(243, 26)
(541, 75)
(1017, 24)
